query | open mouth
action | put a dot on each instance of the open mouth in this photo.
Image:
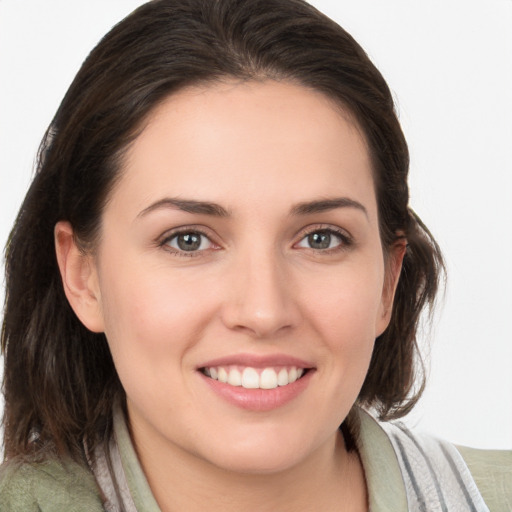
(255, 378)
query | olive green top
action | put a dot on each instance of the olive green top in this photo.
(55, 486)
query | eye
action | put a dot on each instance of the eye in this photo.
(188, 241)
(323, 239)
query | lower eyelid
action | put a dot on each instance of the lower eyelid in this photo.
(169, 237)
(344, 238)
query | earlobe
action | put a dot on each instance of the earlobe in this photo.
(392, 276)
(79, 278)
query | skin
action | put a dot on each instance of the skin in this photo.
(255, 286)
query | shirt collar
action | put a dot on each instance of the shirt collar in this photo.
(386, 489)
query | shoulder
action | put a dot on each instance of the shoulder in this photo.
(492, 472)
(48, 486)
(435, 471)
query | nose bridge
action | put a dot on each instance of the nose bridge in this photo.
(261, 300)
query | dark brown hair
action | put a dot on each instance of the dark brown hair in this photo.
(60, 382)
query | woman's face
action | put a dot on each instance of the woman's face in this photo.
(242, 244)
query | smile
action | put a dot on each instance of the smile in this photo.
(254, 378)
(257, 383)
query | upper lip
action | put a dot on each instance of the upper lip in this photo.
(257, 361)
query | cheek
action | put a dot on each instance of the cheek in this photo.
(346, 304)
(151, 317)
(342, 309)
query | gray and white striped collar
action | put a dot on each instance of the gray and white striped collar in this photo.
(434, 474)
(120, 476)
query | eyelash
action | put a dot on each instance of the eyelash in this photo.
(345, 240)
(189, 230)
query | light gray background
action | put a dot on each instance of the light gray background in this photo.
(449, 64)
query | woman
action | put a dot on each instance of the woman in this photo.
(216, 267)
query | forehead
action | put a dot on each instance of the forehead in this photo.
(263, 141)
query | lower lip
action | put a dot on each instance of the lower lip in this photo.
(259, 399)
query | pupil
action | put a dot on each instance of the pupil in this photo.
(319, 240)
(189, 241)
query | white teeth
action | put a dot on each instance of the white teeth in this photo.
(282, 377)
(222, 375)
(235, 377)
(268, 379)
(250, 378)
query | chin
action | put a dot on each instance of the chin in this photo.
(258, 464)
(268, 456)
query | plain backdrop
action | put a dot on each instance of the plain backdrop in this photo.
(449, 64)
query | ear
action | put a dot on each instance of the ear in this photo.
(393, 267)
(79, 278)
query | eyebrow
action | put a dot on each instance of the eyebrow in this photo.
(216, 210)
(324, 205)
(187, 205)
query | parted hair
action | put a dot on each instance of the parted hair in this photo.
(60, 382)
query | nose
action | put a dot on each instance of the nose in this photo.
(261, 301)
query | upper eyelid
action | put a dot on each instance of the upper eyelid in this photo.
(345, 238)
(211, 235)
(171, 233)
(323, 227)
(163, 242)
